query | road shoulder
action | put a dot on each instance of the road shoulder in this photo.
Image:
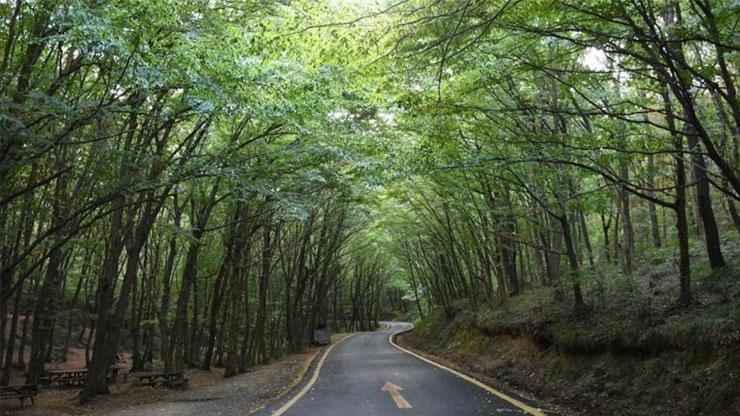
(286, 399)
(521, 399)
(238, 395)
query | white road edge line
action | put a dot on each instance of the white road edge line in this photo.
(529, 409)
(284, 408)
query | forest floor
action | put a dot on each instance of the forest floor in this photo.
(634, 352)
(207, 392)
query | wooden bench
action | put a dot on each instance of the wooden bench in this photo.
(170, 380)
(20, 392)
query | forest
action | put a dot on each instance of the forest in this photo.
(200, 184)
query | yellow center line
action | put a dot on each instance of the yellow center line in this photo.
(284, 408)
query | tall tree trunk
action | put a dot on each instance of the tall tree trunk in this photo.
(237, 280)
(135, 330)
(192, 355)
(586, 237)
(48, 299)
(682, 225)
(654, 226)
(110, 324)
(605, 229)
(216, 300)
(628, 245)
(190, 273)
(179, 328)
(164, 306)
(7, 368)
(258, 336)
(704, 203)
(573, 262)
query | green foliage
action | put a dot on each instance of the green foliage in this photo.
(548, 168)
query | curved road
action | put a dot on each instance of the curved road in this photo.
(362, 374)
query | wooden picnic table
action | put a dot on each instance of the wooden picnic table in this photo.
(72, 378)
(64, 378)
(20, 392)
(168, 379)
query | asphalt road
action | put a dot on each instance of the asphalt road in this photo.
(359, 376)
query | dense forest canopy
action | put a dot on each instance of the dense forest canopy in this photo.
(204, 182)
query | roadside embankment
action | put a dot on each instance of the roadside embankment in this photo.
(601, 363)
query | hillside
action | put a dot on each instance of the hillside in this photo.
(626, 356)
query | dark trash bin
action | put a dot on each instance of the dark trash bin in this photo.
(322, 335)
